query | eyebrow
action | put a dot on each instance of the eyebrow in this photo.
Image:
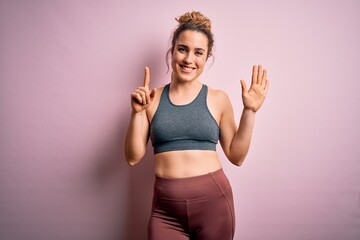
(182, 45)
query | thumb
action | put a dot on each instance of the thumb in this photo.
(243, 86)
(153, 93)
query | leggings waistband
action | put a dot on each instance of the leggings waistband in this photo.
(192, 187)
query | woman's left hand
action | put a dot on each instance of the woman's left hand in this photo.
(255, 96)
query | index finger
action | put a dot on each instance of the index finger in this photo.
(147, 77)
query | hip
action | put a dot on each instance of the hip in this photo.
(192, 188)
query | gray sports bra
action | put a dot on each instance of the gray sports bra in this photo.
(183, 127)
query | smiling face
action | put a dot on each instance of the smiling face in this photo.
(189, 56)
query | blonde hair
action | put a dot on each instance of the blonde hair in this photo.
(194, 21)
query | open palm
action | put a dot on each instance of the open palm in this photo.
(255, 96)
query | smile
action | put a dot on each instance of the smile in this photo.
(187, 69)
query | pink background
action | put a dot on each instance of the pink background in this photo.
(67, 69)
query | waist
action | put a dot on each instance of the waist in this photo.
(188, 163)
(195, 187)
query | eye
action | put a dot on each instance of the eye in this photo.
(181, 49)
(199, 53)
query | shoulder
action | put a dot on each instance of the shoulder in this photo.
(159, 90)
(217, 95)
(157, 96)
(218, 102)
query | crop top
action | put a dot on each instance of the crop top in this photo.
(183, 127)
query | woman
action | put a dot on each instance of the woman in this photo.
(185, 119)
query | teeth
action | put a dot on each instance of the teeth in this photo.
(187, 69)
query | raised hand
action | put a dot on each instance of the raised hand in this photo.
(142, 97)
(255, 96)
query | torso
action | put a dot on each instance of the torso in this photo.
(187, 163)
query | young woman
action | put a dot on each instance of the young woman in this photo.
(185, 119)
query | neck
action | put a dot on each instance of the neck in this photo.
(184, 85)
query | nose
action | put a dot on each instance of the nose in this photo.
(188, 58)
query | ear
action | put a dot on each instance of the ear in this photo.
(167, 58)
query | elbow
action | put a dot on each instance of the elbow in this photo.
(132, 158)
(130, 161)
(237, 155)
(238, 161)
(238, 164)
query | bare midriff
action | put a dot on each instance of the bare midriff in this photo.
(186, 163)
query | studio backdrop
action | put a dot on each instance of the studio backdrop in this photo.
(67, 69)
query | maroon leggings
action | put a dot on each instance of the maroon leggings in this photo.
(199, 207)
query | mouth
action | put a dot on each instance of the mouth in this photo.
(186, 69)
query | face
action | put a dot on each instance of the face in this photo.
(189, 56)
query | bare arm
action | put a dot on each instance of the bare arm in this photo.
(136, 137)
(137, 133)
(236, 141)
(239, 141)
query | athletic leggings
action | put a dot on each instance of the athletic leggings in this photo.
(195, 208)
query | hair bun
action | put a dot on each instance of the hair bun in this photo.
(195, 18)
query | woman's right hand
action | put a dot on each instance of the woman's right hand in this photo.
(142, 97)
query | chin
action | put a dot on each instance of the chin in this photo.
(186, 76)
